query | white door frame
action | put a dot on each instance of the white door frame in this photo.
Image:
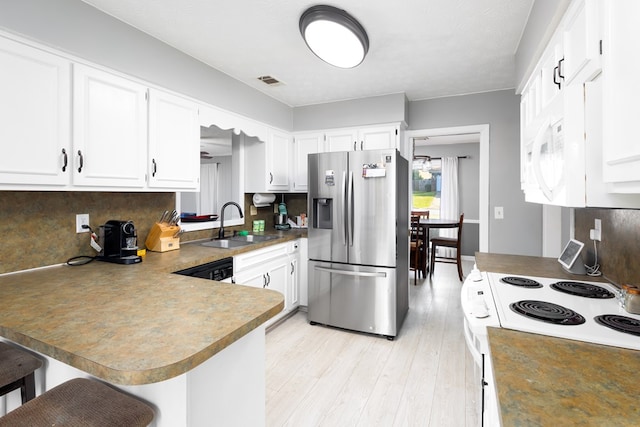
(483, 130)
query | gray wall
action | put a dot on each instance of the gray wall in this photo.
(543, 19)
(356, 112)
(501, 111)
(83, 31)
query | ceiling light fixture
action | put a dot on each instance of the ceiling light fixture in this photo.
(334, 36)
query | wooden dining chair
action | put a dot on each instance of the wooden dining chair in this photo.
(419, 245)
(447, 242)
(417, 242)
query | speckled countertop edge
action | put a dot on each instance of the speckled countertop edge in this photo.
(548, 381)
(134, 324)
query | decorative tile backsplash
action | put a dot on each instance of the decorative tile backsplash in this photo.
(38, 228)
(619, 250)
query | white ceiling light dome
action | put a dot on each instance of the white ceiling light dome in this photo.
(334, 36)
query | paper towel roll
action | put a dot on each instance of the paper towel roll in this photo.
(263, 199)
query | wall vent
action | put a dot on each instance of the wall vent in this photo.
(269, 80)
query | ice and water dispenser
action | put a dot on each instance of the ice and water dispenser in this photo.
(323, 213)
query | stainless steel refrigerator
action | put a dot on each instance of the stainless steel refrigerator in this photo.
(359, 240)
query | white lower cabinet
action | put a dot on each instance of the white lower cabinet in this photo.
(269, 268)
(303, 279)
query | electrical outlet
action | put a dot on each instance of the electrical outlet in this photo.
(82, 219)
(498, 212)
(253, 210)
(598, 224)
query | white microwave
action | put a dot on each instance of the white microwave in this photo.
(544, 165)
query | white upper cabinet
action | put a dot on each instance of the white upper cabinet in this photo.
(267, 163)
(378, 137)
(581, 41)
(621, 95)
(341, 140)
(358, 139)
(174, 142)
(303, 145)
(35, 107)
(110, 129)
(579, 143)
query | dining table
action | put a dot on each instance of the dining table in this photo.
(425, 226)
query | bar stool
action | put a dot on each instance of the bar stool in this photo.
(17, 369)
(81, 402)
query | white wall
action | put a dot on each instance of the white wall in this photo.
(83, 31)
(520, 232)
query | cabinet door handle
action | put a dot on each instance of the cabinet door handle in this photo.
(270, 178)
(293, 268)
(361, 145)
(355, 145)
(560, 64)
(154, 168)
(555, 74)
(65, 160)
(81, 161)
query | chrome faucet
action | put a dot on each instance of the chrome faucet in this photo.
(221, 231)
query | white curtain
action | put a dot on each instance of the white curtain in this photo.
(449, 201)
(208, 189)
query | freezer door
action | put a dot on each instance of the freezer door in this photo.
(326, 206)
(372, 199)
(353, 297)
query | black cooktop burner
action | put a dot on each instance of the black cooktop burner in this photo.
(547, 312)
(619, 323)
(582, 289)
(521, 281)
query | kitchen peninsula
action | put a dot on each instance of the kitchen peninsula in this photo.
(193, 348)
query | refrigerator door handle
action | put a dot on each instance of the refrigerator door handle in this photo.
(350, 212)
(344, 214)
(352, 273)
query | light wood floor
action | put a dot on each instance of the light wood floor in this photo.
(321, 376)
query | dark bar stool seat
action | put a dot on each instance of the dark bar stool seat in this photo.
(17, 369)
(81, 402)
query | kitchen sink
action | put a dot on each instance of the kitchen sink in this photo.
(238, 241)
(225, 243)
(253, 238)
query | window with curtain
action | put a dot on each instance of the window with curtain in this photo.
(427, 187)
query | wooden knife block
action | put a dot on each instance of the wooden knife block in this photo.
(161, 238)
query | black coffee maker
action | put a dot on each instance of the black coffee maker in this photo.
(119, 242)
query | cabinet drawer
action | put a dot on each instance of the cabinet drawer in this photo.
(259, 256)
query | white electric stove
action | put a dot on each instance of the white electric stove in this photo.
(573, 309)
(576, 309)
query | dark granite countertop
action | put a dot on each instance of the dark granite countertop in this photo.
(133, 324)
(548, 381)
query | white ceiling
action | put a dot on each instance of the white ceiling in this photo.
(424, 48)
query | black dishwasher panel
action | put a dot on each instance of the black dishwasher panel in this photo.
(216, 270)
